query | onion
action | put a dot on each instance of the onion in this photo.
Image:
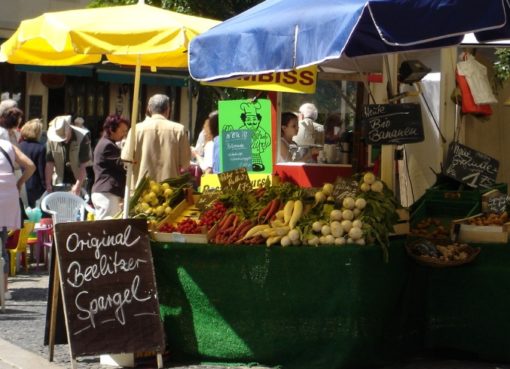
(285, 241)
(325, 230)
(335, 214)
(293, 235)
(327, 189)
(357, 223)
(346, 225)
(355, 233)
(339, 241)
(369, 178)
(360, 203)
(348, 203)
(377, 186)
(361, 242)
(336, 229)
(329, 239)
(348, 214)
(317, 226)
(365, 187)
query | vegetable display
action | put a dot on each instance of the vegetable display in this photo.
(286, 215)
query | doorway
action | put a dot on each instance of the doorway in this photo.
(56, 102)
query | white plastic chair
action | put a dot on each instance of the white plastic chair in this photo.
(65, 207)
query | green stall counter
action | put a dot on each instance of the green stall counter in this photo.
(468, 307)
(298, 307)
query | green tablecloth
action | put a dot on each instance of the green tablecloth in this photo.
(299, 307)
(469, 307)
(329, 307)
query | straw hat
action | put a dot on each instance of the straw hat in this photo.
(59, 126)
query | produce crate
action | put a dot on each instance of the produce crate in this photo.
(444, 211)
(185, 209)
(471, 233)
(449, 192)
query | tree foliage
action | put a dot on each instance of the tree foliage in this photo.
(217, 9)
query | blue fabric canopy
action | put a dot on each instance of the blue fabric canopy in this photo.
(280, 35)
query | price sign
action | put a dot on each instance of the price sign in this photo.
(236, 149)
(206, 199)
(235, 180)
(392, 124)
(471, 167)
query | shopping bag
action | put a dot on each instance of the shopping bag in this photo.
(468, 103)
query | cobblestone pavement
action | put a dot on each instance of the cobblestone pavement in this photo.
(23, 325)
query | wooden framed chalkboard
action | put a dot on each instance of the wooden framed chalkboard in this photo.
(108, 287)
(392, 124)
(471, 167)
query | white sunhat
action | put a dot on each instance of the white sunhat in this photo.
(58, 128)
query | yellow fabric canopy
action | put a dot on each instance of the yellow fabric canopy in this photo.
(160, 37)
(138, 35)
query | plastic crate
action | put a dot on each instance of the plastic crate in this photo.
(460, 192)
(444, 209)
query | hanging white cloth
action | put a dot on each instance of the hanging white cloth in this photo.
(476, 77)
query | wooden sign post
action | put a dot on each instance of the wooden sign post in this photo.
(392, 124)
(109, 294)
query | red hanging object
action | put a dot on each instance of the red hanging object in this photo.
(468, 103)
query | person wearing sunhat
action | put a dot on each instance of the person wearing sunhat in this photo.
(68, 152)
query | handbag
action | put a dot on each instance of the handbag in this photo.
(21, 206)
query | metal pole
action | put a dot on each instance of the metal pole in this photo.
(132, 134)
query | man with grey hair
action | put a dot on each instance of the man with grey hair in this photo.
(309, 131)
(7, 104)
(161, 147)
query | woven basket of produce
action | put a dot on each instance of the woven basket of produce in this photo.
(429, 254)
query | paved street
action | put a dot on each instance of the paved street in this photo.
(22, 331)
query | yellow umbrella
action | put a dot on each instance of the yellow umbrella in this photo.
(138, 35)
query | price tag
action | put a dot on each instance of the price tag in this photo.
(178, 237)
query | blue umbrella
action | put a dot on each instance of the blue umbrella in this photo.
(280, 35)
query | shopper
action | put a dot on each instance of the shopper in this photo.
(206, 161)
(10, 216)
(67, 154)
(289, 129)
(162, 148)
(108, 188)
(33, 149)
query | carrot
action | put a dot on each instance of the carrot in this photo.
(238, 233)
(228, 222)
(263, 212)
(272, 210)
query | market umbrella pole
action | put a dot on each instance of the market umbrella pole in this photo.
(132, 137)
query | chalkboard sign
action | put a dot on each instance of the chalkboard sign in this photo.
(235, 180)
(236, 149)
(207, 199)
(109, 289)
(471, 167)
(34, 106)
(494, 202)
(392, 124)
(345, 187)
(497, 204)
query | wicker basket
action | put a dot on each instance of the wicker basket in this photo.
(434, 262)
